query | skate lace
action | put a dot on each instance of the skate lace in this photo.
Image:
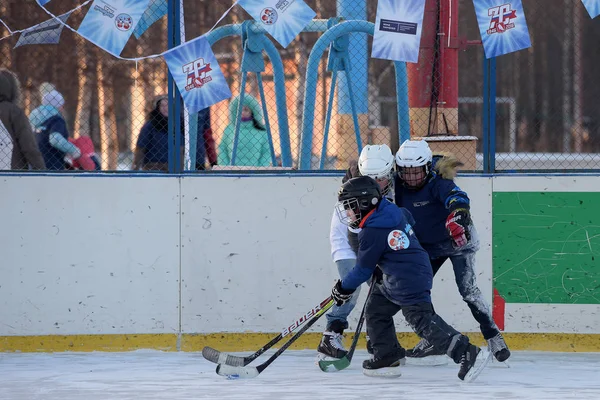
(422, 345)
(336, 341)
(496, 343)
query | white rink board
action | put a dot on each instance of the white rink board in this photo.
(101, 255)
(88, 255)
(257, 256)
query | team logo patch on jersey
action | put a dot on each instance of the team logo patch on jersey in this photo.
(397, 240)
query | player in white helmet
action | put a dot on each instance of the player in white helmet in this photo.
(377, 162)
(424, 185)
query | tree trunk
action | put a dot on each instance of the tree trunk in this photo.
(578, 129)
(567, 43)
(85, 77)
(108, 123)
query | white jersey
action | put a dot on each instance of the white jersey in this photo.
(338, 238)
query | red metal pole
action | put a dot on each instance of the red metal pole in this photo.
(441, 116)
(419, 74)
(448, 98)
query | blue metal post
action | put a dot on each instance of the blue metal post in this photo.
(358, 72)
(278, 77)
(314, 58)
(402, 102)
(174, 39)
(334, 72)
(486, 115)
(492, 121)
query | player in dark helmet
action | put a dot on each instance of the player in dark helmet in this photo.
(387, 240)
(376, 161)
(356, 198)
(425, 186)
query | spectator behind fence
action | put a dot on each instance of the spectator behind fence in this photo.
(253, 145)
(18, 148)
(205, 149)
(52, 133)
(152, 148)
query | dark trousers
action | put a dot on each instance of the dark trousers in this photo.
(428, 325)
(463, 264)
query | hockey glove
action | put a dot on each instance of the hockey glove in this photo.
(457, 225)
(340, 295)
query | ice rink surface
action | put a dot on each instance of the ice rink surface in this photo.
(150, 375)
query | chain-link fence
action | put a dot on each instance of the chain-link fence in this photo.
(90, 110)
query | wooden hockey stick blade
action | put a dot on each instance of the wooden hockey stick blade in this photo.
(232, 372)
(334, 365)
(344, 362)
(217, 357)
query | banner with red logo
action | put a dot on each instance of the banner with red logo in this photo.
(502, 26)
(109, 23)
(592, 7)
(282, 19)
(197, 74)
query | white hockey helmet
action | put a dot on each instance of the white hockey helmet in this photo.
(377, 162)
(414, 159)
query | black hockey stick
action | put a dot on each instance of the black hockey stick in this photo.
(218, 357)
(344, 362)
(252, 372)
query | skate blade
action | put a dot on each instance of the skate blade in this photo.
(388, 372)
(429, 361)
(483, 358)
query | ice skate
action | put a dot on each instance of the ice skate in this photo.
(331, 346)
(472, 362)
(425, 354)
(498, 348)
(385, 367)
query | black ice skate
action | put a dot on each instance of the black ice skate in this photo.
(331, 346)
(472, 362)
(425, 354)
(387, 366)
(498, 347)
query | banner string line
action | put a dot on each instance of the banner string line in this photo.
(31, 27)
(136, 59)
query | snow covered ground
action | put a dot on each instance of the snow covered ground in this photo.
(160, 375)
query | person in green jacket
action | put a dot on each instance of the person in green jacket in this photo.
(253, 144)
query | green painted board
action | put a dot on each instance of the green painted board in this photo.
(546, 247)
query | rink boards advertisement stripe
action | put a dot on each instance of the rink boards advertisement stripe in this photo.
(248, 342)
(177, 263)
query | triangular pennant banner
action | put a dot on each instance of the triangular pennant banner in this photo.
(197, 74)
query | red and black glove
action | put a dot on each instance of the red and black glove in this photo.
(457, 225)
(341, 295)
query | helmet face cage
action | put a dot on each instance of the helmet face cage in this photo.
(385, 181)
(413, 161)
(414, 177)
(377, 162)
(348, 212)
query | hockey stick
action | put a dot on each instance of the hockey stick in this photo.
(217, 357)
(252, 372)
(344, 362)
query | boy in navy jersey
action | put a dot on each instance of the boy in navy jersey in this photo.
(387, 241)
(425, 187)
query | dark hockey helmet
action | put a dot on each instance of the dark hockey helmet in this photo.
(356, 198)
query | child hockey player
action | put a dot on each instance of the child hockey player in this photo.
(387, 240)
